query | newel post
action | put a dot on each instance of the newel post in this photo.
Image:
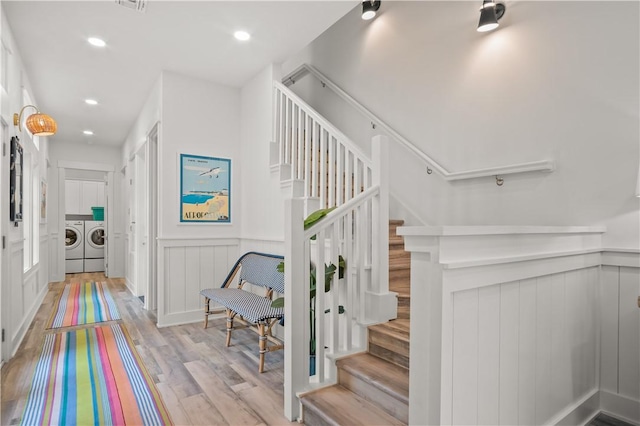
(295, 309)
(381, 305)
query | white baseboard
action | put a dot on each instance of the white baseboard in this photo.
(180, 318)
(580, 412)
(27, 320)
(598, 401)
(619, 406)
(129, 285)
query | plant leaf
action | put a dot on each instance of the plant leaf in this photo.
(278, 303)
(316, 216)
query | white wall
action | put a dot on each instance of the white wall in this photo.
(21, 293)
(201, 118)
(545, 85)
(147, 118)
(264, 217)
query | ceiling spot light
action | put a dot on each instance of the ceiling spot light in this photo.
(87, 132)
(97, 42)
(490, 13)
(242, 35)
(369, 9)
(38, 124)
(91, 102)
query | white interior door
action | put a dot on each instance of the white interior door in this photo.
(130, 270)
(152, 202)
(141, 223)
(5, 351)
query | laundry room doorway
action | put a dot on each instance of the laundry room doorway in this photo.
(83, 191)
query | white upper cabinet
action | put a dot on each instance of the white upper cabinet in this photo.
(80, 196)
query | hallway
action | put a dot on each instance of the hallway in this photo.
(201, 381)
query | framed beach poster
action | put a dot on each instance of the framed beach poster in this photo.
(205, 189)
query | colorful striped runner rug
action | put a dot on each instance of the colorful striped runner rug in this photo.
(92, 376)
(83, 303)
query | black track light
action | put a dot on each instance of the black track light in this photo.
(490, 13)
(369, 9)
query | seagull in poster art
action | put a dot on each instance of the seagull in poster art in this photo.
(211, 172)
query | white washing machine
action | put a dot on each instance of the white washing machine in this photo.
(74, 246)
(93, 246)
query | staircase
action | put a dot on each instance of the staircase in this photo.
(373, 387)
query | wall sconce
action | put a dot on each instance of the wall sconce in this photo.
(490, 13)
(38, 124)
(369, 9)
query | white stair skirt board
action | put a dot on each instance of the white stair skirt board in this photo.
(73, 266)
(94, 265)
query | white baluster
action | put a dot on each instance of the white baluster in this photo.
(296, 369)
(315, 169)
(320, 306)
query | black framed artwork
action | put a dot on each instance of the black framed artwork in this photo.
(15, 181)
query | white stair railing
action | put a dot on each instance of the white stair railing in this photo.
(312, 150)
(335, 321)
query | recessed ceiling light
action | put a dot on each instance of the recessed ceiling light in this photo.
(96, 42)
(87, 132)
(91, 101)
(242, 35)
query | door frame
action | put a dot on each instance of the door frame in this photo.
(63, 165)
(5, 287)
(151, 301)
(146, 201)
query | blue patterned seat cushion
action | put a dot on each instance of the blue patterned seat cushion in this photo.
(250, 306)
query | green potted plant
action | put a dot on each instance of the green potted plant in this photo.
(329, 273)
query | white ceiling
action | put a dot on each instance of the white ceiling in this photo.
(193, 38)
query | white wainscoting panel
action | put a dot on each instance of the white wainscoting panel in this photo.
(43, 268)
(524, 351)
(629, 332)
(518, 334)
(620, 335)
(16, 294)
(55, 252)
(185, 268)
(25, 295)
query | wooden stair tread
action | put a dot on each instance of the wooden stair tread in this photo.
(398, 328)
(336, 405)
(390, 378)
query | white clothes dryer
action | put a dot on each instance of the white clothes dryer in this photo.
(74, 246)
(94, 246)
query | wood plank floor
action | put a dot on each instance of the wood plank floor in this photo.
(202, 382)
